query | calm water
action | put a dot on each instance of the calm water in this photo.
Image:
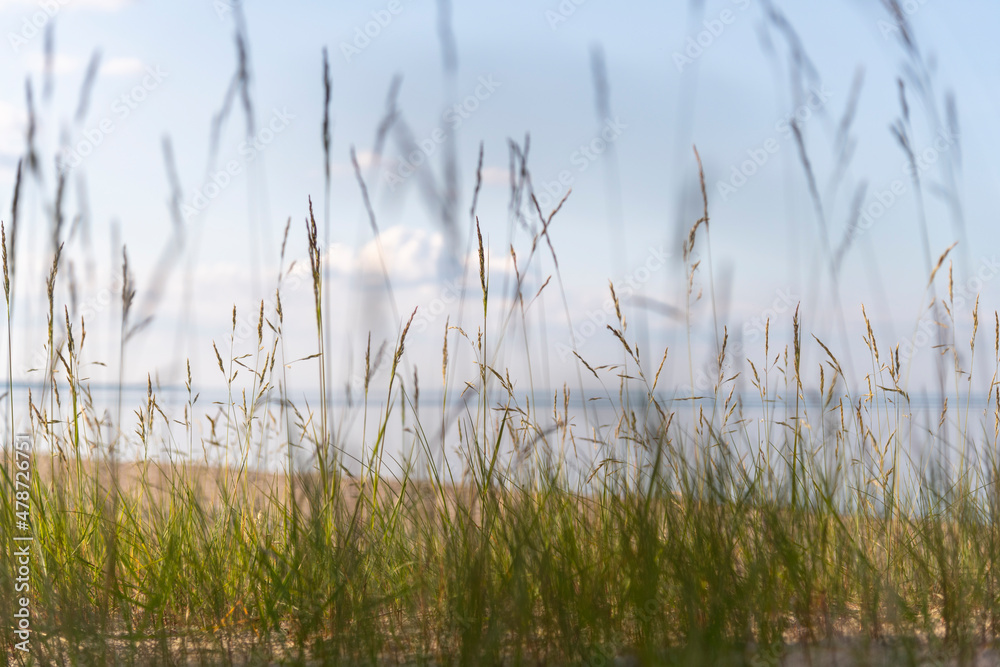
(215, 432)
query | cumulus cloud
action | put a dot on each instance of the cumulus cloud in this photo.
(412, 259)
(411, 255)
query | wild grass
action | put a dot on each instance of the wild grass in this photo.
(712, 539)
(795, 522)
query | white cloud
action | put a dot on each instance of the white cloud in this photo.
(338, 260)
(366, 159)
(411, 255)
(122, 66)
(413, 258)
(61, 63)
(496, 175)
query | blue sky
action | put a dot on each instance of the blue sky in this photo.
(530, 65)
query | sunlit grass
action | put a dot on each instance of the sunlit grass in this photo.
(781, 515)
(705, 543)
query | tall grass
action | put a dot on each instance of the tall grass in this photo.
(720, 527)
(709, 540)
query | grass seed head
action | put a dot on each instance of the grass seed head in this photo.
(6, 273)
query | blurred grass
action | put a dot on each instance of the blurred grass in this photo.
(688, 552)
(709, 533)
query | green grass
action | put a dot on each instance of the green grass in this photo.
(706, 532)
(705, 543)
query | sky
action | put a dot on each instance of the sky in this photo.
(718, 75)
